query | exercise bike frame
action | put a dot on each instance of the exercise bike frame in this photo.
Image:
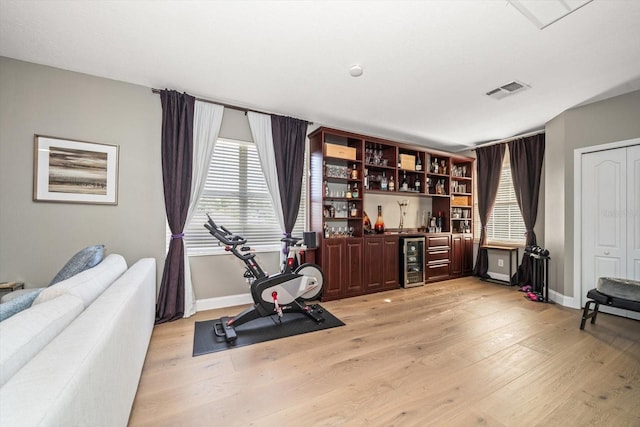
(262, 286)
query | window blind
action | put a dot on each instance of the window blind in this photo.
(236, 196)
(505, 222)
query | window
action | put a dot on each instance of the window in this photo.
(505, 222)
(236, 196)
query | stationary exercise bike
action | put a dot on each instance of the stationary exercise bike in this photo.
(280, 293)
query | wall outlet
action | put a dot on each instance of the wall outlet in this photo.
(501, 263)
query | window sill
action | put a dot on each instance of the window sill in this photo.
(221, 251)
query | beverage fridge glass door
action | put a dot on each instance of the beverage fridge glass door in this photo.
(412, 265)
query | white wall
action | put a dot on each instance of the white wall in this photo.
(611, 120)
(37, 238)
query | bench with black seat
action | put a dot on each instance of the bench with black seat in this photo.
(612, 292)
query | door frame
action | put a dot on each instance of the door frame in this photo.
(576, 301)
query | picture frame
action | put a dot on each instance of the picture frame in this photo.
(72, 171)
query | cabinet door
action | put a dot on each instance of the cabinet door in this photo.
(456, 255)
(333, 255)
(391, 259)
(353, 279)
(373, 263)
(467, 259)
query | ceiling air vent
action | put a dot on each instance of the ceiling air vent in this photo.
(506, 90)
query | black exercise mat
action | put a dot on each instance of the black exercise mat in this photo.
(259, 330)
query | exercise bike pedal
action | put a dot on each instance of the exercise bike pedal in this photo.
(221, 329)
(315, 314)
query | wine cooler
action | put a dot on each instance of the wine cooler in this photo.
(412, 261)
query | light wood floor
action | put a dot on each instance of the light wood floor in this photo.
(455, 353)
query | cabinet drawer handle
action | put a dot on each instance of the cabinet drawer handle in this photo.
(438, 262)
(438, 252)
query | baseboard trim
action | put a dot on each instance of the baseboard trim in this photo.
(243, 299)
(499, 276)
(223, 302)
(558, 298)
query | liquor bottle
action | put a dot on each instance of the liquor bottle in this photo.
(439, 221)
(354, 172)
(392, 184)
(355, 193)
(384, 183)
(354, 210)
(405, 184)
(366, 178)
(418, 164)
(366, 223)
(379, 227)
(434, 165)
(349, 194)
(416, 185)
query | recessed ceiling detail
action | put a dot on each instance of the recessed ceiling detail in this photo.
(544, 13)
(510, 88)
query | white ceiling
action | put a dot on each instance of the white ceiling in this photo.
(427, 64)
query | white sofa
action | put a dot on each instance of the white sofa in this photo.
(74, 358)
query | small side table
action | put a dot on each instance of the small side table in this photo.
(509, 250)
(6, 287)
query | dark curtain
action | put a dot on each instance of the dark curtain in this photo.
(526, 157)
(177, 158)
(489, 167)
(289, 136)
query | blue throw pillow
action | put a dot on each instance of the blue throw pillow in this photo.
(16, 305)
(83, 260)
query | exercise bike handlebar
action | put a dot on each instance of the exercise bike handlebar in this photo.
(232, 241)
(224, 235)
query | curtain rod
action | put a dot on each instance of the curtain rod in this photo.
(511, 138)
(231, 106)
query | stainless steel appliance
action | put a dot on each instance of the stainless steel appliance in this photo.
(412, 261)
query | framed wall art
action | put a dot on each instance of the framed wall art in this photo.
(71, 171)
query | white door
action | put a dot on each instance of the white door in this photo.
(633, 212)
(604, 243)
(610, 229)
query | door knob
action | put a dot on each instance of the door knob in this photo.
(606, 252)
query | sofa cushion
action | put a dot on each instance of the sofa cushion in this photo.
(88, 375)
(26, 333)
(619, 288)
(16, 305)
(86, 258)
(18, 293)
(89, 284)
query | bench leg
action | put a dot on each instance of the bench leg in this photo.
(589, 315)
